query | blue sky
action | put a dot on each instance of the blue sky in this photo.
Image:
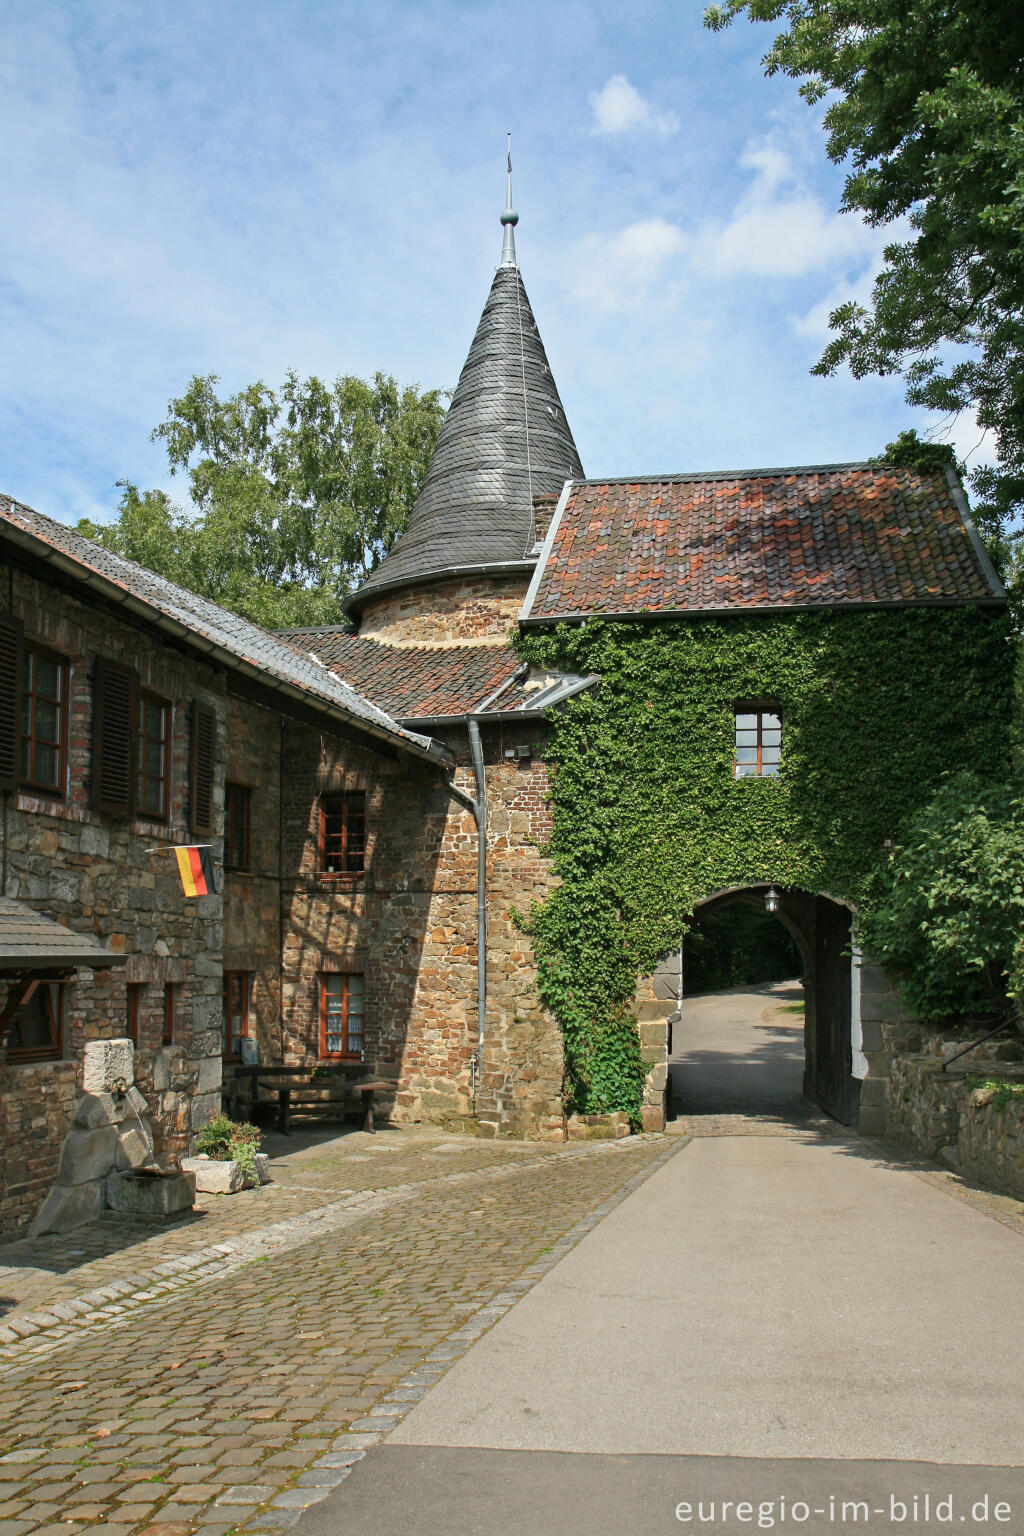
(243, 188)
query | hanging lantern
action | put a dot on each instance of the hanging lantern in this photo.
(771, 899)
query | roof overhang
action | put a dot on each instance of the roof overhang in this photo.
(31, 943)
(212, 651)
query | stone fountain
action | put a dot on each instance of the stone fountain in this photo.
(107, 1160)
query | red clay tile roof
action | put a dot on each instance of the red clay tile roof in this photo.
(844, 534)
(411, 682)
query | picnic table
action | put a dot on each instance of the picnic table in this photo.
(329, 1088)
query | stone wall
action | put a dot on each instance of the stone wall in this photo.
(96, 874)
(252, 897)
(408, 924)
(478, 609)
(941, 1115)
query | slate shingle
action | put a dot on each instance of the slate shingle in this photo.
(475, 507)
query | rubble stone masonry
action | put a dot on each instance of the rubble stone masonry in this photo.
(96, 874)
(474, 609)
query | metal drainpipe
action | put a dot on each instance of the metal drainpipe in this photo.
(481, 899)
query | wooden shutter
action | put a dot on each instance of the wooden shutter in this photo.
(204, 735)
(10, 699)
(115, 709)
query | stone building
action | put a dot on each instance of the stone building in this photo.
(134, 718)
(374, 794)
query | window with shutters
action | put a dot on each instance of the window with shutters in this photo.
(341, 1014)
(758, 748)
(115, 723)
(153, 789)
(37, 1029)
(42, 757)
(10, 699)
(201, 771)
(342, 842)
(237, 805)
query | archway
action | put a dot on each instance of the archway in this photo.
(819, 927)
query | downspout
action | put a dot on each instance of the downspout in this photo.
(479, 808)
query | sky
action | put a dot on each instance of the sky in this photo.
(241, 189)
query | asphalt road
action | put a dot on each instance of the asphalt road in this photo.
(781, 1316)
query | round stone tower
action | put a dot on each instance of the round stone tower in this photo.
(459, 572)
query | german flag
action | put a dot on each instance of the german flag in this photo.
(195, 866)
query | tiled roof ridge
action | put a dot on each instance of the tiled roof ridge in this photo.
(776, 473)
(276, 660)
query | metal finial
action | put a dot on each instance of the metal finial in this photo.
(509, 220)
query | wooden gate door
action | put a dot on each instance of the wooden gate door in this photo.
(836, 1090)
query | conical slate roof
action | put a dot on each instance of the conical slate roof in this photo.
(505, 440)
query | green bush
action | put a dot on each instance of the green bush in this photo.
(237, 1140)
(946, 916)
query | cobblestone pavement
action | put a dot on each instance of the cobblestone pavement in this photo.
(225, 1373)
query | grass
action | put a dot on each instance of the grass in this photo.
(1003, 1091)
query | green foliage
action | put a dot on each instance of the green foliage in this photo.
(912, 452)
(298, 494)
(925, 106)
(737, 944)
(237, 1140)
(946, 914)
(648, 820)
(1003, 1090)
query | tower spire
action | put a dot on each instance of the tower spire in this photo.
(509, 219)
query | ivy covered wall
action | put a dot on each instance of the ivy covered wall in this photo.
(648, 819)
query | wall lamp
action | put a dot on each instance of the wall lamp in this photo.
(771, 899)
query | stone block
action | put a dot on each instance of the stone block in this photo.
(87, 1155)
(108, 1064)
(657, 1078)
(871, 1120)
(210, 1074)
(137, 1101)
(133, 1150)
(162, 1067)
(96, 1109)
(68, 1206)
(95, 841)
(135, 1194)
(205, 1107)
(653, 1117)
(261, 1161)
(214, 1176)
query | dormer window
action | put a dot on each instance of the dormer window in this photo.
(758, 742)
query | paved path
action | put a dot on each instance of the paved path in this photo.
(786, 1312)
(421, 1333)
(233, 1392)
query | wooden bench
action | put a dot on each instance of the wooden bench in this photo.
(293, 1085)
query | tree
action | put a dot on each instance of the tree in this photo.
(298, 494)
(926, 107)
(947, 915)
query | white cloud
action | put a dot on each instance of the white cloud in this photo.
(780, 230)
(618, 107)
(617, 271)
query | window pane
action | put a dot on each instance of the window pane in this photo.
(769, 770)
(155, 758)
(770, 755)
(45, 771)
(152, 800)
(746, 755)
(746, 722)
(771, 722)
(771, 738)
(48, 677)
(355, 986)
(47, 719)
(746, 738)
(746, 770)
